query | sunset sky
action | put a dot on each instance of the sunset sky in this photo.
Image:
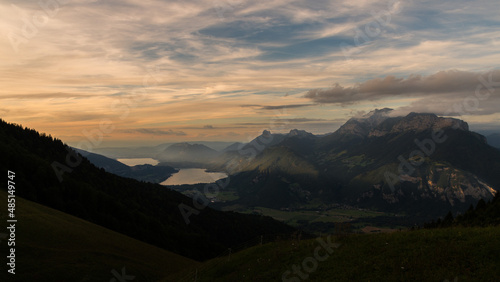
(149, 72)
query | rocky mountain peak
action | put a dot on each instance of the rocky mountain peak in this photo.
(296, 132)
(266, 133)
(362, 126)
(423, 121)
(378, 123)
(383, 111)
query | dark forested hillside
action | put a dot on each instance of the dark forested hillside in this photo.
(482, 214)
(50, 173)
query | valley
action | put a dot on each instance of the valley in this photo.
(385, 168)
(313, 217)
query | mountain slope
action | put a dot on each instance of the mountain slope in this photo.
(54, 246)
(449, 254)
(233, 147)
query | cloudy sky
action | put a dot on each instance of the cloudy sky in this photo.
(155, 71)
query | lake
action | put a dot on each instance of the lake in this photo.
(193, 176)
(138, 161)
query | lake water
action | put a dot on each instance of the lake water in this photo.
(138, 161)
(193, 176)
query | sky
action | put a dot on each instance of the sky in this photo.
(127, 72)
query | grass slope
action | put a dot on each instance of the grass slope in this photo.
(465, 254)
(54, 246)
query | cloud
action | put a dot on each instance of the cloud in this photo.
(44, 95)
(150, 131)
(251, 106)
(443, 82)
(300, 120)
(458, 106)
(283, 121)
(278, 107)
(208, 127)
(285, 107)
(253, 124)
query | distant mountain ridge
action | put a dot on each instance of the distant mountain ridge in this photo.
(265, 140)
(187, 155)
(494, 140)
(146, 172)
(152, 151)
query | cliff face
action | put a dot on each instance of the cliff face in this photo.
(420, 122)
(417, 122)
(445, 183)
(378, 123)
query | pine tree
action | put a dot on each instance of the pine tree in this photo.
(448, 219)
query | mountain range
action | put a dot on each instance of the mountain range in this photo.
(416, 164)
(151, 151)
(376, 161)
